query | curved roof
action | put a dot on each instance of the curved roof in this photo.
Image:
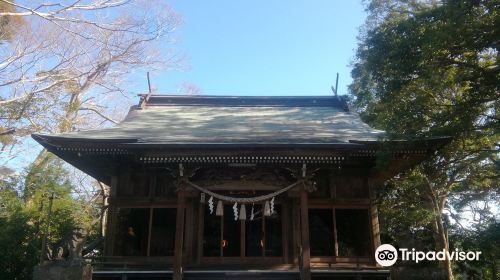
(167, 119)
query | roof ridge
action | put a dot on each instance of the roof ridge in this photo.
(244, 101)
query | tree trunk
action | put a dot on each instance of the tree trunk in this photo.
(439, 232)
(443, 242)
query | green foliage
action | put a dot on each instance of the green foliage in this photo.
(429, 69)
(433, 73)
(402, 207)
(23, 216)
(19, 251)
(485, 239)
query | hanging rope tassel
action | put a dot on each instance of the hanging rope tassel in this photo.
(243, 199)
(235, 209)
(243, 212)
(211, 204)
(267, 209)
(220, 209)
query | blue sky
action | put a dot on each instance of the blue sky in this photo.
(272, 47)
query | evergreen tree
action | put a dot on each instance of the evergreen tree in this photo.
(23, 216)
(430, 69)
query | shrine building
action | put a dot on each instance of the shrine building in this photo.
(238, 187)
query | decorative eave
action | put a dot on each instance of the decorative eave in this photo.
(257, 151)
(243, 159)
(115, 153)
(233, 152)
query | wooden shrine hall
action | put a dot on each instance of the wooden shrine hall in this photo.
(226, 187)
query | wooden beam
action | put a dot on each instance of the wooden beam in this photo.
(305, 270)
(179, 235)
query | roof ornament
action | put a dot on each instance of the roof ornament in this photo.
(144, 100)
(334, 89)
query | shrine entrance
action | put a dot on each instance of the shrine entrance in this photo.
(255, 238)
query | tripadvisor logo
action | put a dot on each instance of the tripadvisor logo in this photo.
(387, 255)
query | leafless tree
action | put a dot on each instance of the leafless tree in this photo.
(68, 65)
(187, 88)
(66, 60)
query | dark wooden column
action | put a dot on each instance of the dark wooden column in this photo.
(305, 270)
(285, 229)
(375, 230)
(201, 222)
(111, 220)
(179, 234)
(188, 230)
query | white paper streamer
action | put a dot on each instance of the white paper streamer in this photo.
(252, 215)
(235, 209)
(211, 204)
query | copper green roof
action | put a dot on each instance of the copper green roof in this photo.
(166, 119)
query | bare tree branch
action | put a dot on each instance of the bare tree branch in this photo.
(99, 113)
(67, 57)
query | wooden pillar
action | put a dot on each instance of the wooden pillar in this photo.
(285, 229)
(111, 220)
(109, 240)
(296, 231)
(305, 270)
(188, 229)
(375, 230)
(374, 227)
(242, 238)
(201, 223)
(150, 229)
(179, 235)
